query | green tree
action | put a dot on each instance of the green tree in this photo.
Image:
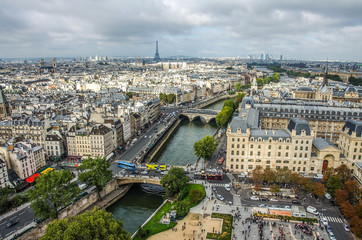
(306, 184)
(283, 175)
(276, 77)
(171, 98)
(52, 191)
(174, 180)
(238, 86)
(95, 172)
(205, 147)
(96, 224)
(223, 117)
(182, 208)
(229, 103)
(196, 195)
(334, 183)
(129, 94)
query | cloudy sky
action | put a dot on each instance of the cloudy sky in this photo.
(299, 29)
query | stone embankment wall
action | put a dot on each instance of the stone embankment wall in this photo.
(110, 194)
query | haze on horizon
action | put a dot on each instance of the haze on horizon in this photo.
(309, 30)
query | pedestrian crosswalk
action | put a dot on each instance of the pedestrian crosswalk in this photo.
(218, 184)
(334, 219)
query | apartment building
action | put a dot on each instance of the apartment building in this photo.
(350, 142)
(26, 159)
(92, 141)
(54, 146)
(4, 178)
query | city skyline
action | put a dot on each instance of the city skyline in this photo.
(306, 30)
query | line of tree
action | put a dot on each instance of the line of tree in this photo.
(10, 200)
(347, 195)
(167, 98)
(54, 191)
(274, 78)
(96, 224)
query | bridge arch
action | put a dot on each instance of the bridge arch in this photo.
(144, 179)
(202, 119)
(183, 116)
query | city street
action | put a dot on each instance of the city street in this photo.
(25, 216)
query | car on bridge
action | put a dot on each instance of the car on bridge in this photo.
(11, 223)
(255, 198)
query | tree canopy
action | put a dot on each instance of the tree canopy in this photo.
(223, 117)
(96, 224)
(52, 191)
(205, 147)
(97, 172)
(174, 180)
(238, 86)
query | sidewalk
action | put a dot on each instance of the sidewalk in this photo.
(5, 215)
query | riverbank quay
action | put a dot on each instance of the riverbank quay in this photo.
(111, 193)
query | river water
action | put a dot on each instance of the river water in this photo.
(137, 205)
(143, 199)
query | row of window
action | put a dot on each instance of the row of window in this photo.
(269, 162)
(269, 154)
(250, 167)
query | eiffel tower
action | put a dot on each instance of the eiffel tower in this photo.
(157, 56)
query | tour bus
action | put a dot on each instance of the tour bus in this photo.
(126, 165)
(156, 167)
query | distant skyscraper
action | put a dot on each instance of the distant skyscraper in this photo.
(157, 56)
(54, 63)
(281, 57)
(42, 62)
(267, 56)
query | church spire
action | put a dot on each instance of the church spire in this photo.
(325, 78)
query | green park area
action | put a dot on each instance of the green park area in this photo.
(190, 196)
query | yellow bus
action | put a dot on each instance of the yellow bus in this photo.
(156, 167)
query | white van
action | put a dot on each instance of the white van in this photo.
(82, 186)
(312, 210)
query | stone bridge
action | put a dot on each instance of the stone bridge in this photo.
(204, 115)
(137, 179)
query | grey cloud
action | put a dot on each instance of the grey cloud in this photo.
(298, 29)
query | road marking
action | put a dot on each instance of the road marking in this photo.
(22, 213)
(334, 219)
(10, 233)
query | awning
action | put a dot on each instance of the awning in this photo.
(31, 179)
(109, 156)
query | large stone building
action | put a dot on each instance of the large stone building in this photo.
(296, 146)
(95, 141)
(325, 120)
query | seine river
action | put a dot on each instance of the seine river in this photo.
(143, 199)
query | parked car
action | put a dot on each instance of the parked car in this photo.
(312, 210)
(213, 188)
(324, 221)
(331, 236)
(329, 229)
(261, 205)
(296, 202)
(145, 136)
(11, 223)
(273, 200)
(254, 198)
(346, 227)
(164, 172)
(144, 172)
(287, 207)
(264, 199)
(227, 187)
